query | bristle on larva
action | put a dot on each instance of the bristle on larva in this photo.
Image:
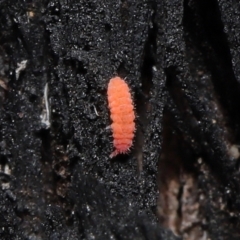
(122, 115)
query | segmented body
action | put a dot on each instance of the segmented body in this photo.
(122, 115)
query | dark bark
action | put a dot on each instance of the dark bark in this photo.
(180, 179)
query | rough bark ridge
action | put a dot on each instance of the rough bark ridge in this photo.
(181, 179)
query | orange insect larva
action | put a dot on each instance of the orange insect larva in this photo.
(122, 115)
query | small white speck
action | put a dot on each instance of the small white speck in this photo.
(46, 112)
(108, 127)
(5, 185)
(154, 68)
(21, 66)
(234, 151)
(214, 121)
(7, 169)
(95, 110)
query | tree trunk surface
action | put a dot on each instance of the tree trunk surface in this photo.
(180, 179)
